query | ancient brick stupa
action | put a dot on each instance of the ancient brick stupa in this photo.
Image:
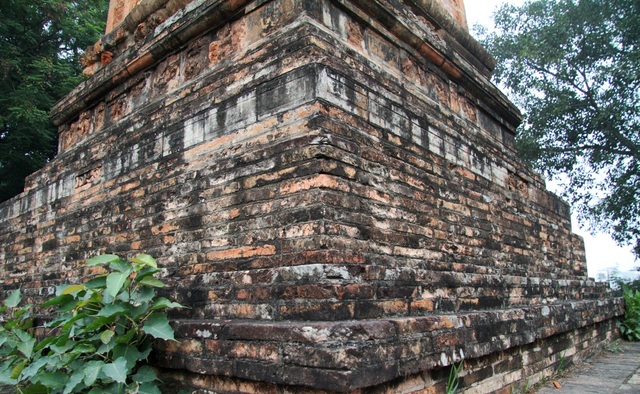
(331, 186)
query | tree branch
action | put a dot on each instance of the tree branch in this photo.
(633, 149)
(581, 148)
(556, 76)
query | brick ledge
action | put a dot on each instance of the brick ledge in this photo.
(329, 355)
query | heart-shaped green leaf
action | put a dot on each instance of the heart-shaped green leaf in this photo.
(102, 259)
(91, 371)
(74, 381)
(151, 281)
(97, 283)
(116, 370)
(72, 289)
(115, 281)
(112, 310)
(106, 336)
(149, 388)
(145, 259)
(14, 298)
(157, 325)
(165, 303)
(145, 374)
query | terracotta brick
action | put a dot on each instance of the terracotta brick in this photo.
(164, 228)
(245, 251)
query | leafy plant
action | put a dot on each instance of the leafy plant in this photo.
(629, 325)
(101, 336)
(561, 364)
(16, 343)
(454, 378)
(618, 284)
(526, 386)
(614, 347)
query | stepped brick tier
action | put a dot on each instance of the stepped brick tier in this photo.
(330, 185)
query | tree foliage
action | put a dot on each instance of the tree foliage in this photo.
(629, 325)
(573, 66)
(40, 45)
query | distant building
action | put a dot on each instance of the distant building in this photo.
(613, 275)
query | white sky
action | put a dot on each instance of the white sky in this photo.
(602, 251)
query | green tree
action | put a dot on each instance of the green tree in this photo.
(573, 66)
(40, 45)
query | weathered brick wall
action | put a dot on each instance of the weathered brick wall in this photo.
(263, 358)
(330, 185)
